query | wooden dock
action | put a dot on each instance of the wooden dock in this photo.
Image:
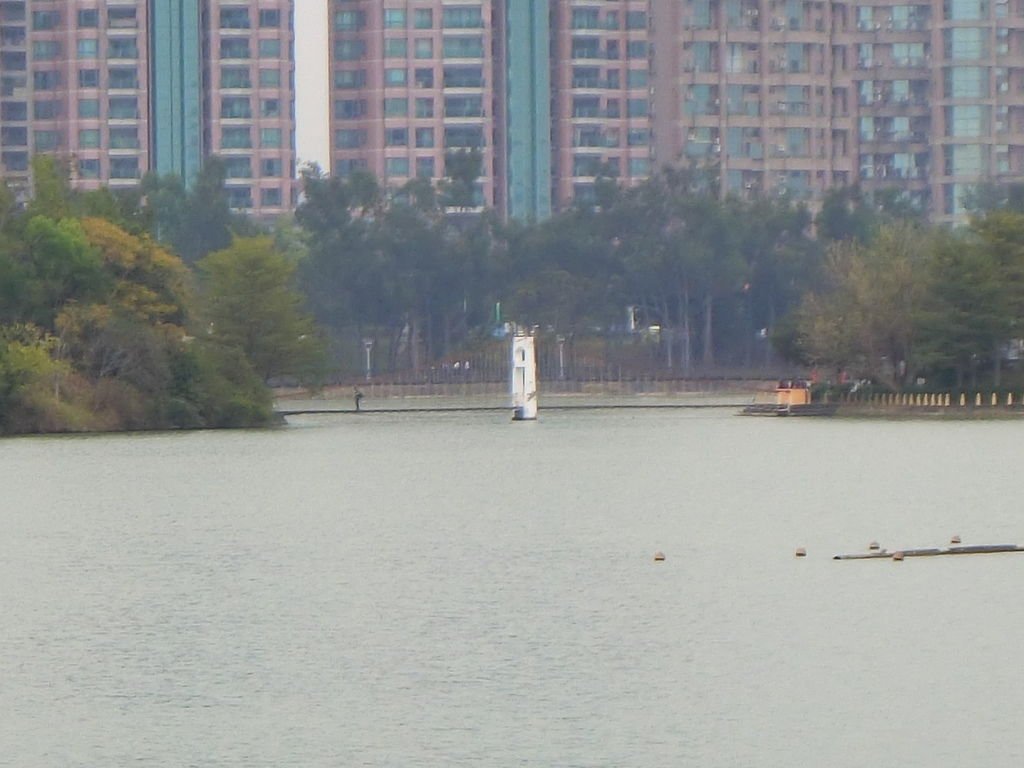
(979, 549)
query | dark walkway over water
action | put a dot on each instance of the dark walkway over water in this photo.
(498, 408)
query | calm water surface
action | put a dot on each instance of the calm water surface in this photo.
(453, 589)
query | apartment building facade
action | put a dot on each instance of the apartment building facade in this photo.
(123, 87)
(922, 100)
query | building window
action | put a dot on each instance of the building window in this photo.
(463, 136)
(270, 19)
(124, 77)
(396, 137)
(463, 17)
(270, 78)
(463, 77)
(89, 169)
(234, 48)
(88, 78)
(636, 49)
(270, 138)
(349, 21)
(423, 48)
(349, 138)
(424, 78)
(237, 167)
(124, 138)
(88, 48)
(270, 167)
(636, 20)
(123, 48)
(424, 107)
(394, 18)
(270, 49)
(124, 167)
(236, 137)
(637, 108)
(349, 50)
(46, 110)
(235, 77)
(395, 76)
(349, 78)
(46, 141)
(89, 108)
(270, 198)
(396, 166)
(395, 48)
(45, 50)
(425, 167)
(349, 109)
(44, 20)
(270, 108)
(471, 47)
(423, 18)
(89, 18)
(239, 197)
(88, 138)
(121, 18)
(237, 107)
(123, 108)
(234, 18)
(396, 107)
(424, 138)
(46, 81)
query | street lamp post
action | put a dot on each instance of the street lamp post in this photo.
(561, 357)
(368, 346)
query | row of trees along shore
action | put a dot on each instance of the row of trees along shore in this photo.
(159, 307)
(104, 326)
(864, 290)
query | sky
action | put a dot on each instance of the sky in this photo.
(312, 139)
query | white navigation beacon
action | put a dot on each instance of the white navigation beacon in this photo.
(524, 379)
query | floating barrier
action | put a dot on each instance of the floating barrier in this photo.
(979, 549)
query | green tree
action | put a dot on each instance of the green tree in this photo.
(251, 304)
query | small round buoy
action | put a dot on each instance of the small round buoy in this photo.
(873, 546)
(659, 556)
(800, 552)
(897, 556)
(955, 539)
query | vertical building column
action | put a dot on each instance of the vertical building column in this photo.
(175, 72)
(528, 108)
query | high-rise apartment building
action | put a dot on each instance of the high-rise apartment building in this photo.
(797, 96)
(123, 87)
(411, 83)
(552, 93)
(249, 94)
(601, 77)
(14, 93)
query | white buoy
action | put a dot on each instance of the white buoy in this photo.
(659, 556)
(897, 556)
(873, 546)
(955, 539)
(800, 552)
(524, 379)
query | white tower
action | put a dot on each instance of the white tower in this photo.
(524, 379)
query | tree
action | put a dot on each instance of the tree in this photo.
(251, 305)
(866, 316)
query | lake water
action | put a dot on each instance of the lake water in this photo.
(458, 590)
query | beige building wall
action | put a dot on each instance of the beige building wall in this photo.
(601, 104)
(90, 100)
(250, 101)
(410, 83)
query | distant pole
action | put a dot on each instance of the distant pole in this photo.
(368, 346)
(561, 358)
